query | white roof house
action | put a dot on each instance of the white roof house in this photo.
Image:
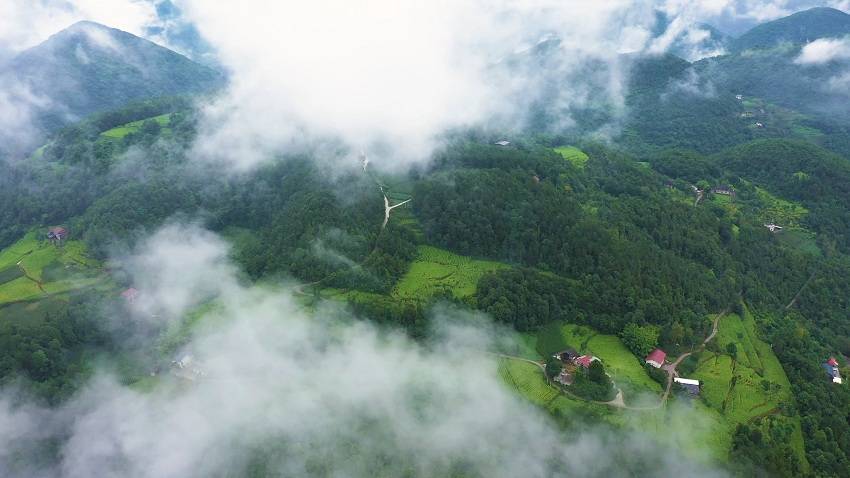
(502, 143)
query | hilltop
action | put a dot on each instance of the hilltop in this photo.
(89, 67)
(799, 28)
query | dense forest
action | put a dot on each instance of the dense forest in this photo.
(642, 239)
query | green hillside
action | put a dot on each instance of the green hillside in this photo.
(799, 28)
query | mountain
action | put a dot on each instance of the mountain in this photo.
(89, 67)
(799, 28)
(698, 41)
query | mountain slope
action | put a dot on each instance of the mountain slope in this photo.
(89, 67)
(799, 28)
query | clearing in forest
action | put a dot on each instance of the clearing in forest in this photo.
(438, 271)
(34, 267)
(625, 369)
(119, 132)
(574, 155)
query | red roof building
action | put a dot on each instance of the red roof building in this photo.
(832, 362)
(57, 233)
(130, 295)
(585, 360)
(656, 358)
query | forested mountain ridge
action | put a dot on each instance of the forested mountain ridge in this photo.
(88, 68)
(650, 239)
(797, 29)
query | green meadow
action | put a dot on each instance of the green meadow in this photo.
(34, 267)
(437, 270)
(572, 154)
(119, 132)
(625, 369)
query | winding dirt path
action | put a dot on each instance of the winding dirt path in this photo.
(797, 295)
(671, 369)
(37, 282)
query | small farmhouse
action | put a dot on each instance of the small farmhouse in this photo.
(773, 227)
(691, 386)
(831, 367)
(565, 378)
(656, 358)
(57, 233)
(130, 295)
(566, 356)
(503, 143)
(585, 360)
(723, 190)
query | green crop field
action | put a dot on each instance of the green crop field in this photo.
(731, 330)
(435, 270)
(572, 154)
(57, 269)
(782, 212)
(527, 379)
(747, 387)
(120, 131)
(623, 366)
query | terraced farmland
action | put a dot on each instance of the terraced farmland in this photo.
(437, 270)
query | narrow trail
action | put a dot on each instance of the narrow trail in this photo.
(299, 289)
(671, 369)
(797, 295)
(37, 282)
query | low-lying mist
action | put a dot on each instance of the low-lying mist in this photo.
(277, 390)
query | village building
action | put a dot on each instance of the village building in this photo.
(565, 377)
(57, 233)
(566, 356)
(585, 361)
(130, 295)
(759, 125)
(187, 368)
(690, 385)
(656, 358)
(739, 97)
(503, 143)
(723, 190)
(831, 367)
(773, 227)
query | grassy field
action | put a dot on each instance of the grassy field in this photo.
(43, 268)
(623, 366)
(619, 362)
(572, 154)
(748, 386)
(527, 379)
(120, 131)
(782, 212)
(696, 430)
(435, 270)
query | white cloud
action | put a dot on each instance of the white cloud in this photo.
(25, 23)
(824, 50)
(393, 72)
(298, 394)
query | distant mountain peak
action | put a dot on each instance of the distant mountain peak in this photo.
(89, 67)
(799, 28)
